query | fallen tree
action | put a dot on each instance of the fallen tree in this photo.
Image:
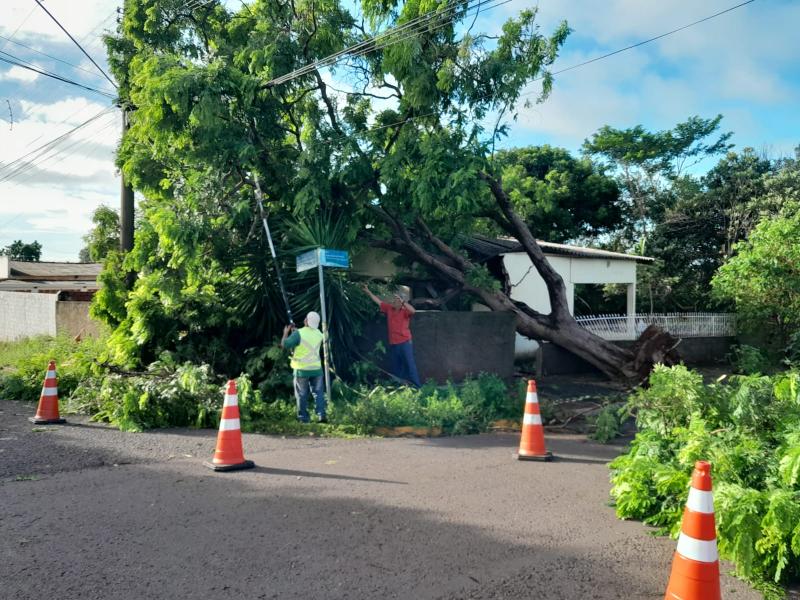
(395, 145)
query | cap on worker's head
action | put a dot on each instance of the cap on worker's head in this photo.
(312, 320)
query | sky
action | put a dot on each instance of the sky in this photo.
(742, 65)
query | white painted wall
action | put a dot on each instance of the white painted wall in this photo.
(25, 315)
(529, 287)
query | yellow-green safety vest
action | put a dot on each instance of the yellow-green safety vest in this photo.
(306, 354)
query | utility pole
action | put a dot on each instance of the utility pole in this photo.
(126, 203)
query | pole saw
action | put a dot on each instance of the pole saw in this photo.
(259, 199)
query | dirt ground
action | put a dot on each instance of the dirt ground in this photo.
(92, 513)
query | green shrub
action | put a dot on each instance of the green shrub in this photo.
(167, 395)
(749, 429)
(23, 365)
(749, 360)
(607, 425)
(466, 408)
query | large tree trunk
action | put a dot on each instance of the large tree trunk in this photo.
(559, 326)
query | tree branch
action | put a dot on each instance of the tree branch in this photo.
(556, 289)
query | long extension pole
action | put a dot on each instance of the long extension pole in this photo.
(259, 199)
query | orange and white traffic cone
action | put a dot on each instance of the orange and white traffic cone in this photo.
(229, 455)
(531, 443)
(47, 412)
(695, 566)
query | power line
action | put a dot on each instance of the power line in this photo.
(64, 120)
(69, 35)
(642, 43)
(48, 55)
(54, 76)
(411, 29)
(18, 163)
(4, 168)
(61, 154)
(25, 20)
(416, 23)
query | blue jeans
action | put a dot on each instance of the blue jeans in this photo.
(303, 386)
(401, 357)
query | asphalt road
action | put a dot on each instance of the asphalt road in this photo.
(92, 513)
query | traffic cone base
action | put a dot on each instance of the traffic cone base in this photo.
(248, 464)
(546, 457)
(41, 421)
(228, 455)
(531, 442)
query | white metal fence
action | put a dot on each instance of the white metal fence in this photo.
(622, 327)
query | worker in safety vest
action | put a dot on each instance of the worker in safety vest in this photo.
(307, 366)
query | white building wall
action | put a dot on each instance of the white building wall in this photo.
(529, 287)
(602, 270)
(23, 314)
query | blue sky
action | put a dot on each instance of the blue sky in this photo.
(743, 65)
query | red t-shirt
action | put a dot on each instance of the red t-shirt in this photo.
(397, 319)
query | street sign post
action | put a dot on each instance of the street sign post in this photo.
(323, 257)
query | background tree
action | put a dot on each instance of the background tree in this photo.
(103, 238)
(19, 250)
(762, 279)
(648, 165)
(710, 215)
(559, 197)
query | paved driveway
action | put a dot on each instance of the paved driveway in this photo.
(89, 512)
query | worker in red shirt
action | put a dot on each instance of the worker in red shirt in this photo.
(401, 350)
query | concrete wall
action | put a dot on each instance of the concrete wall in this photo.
(26, 315)
(72, 318)
(452, 345)
(694, 351)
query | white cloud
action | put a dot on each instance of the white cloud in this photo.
(70, 111)
(16, 73)
(738, 64)
(79, 18)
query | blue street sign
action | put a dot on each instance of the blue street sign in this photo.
(307, 260)
(334, 258)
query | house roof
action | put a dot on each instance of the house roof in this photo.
(488, 248)
(53, 271)
(17, 285)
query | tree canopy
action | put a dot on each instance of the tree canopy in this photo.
(560, 197)
(103, 238)
(394, 144)
(19, 250)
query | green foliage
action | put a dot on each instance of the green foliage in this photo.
(749, 429)
(103, 238)
(648, 165)
(466, 408)
(23, 365)
(762, 279)
(19, 250)
(172, 392)
(559, 196)
(749, 360)
(207, 123)
(607, 424)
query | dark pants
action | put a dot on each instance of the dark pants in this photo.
(303, 386)
(401, 357)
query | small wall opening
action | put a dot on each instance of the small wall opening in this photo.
(593, 299)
